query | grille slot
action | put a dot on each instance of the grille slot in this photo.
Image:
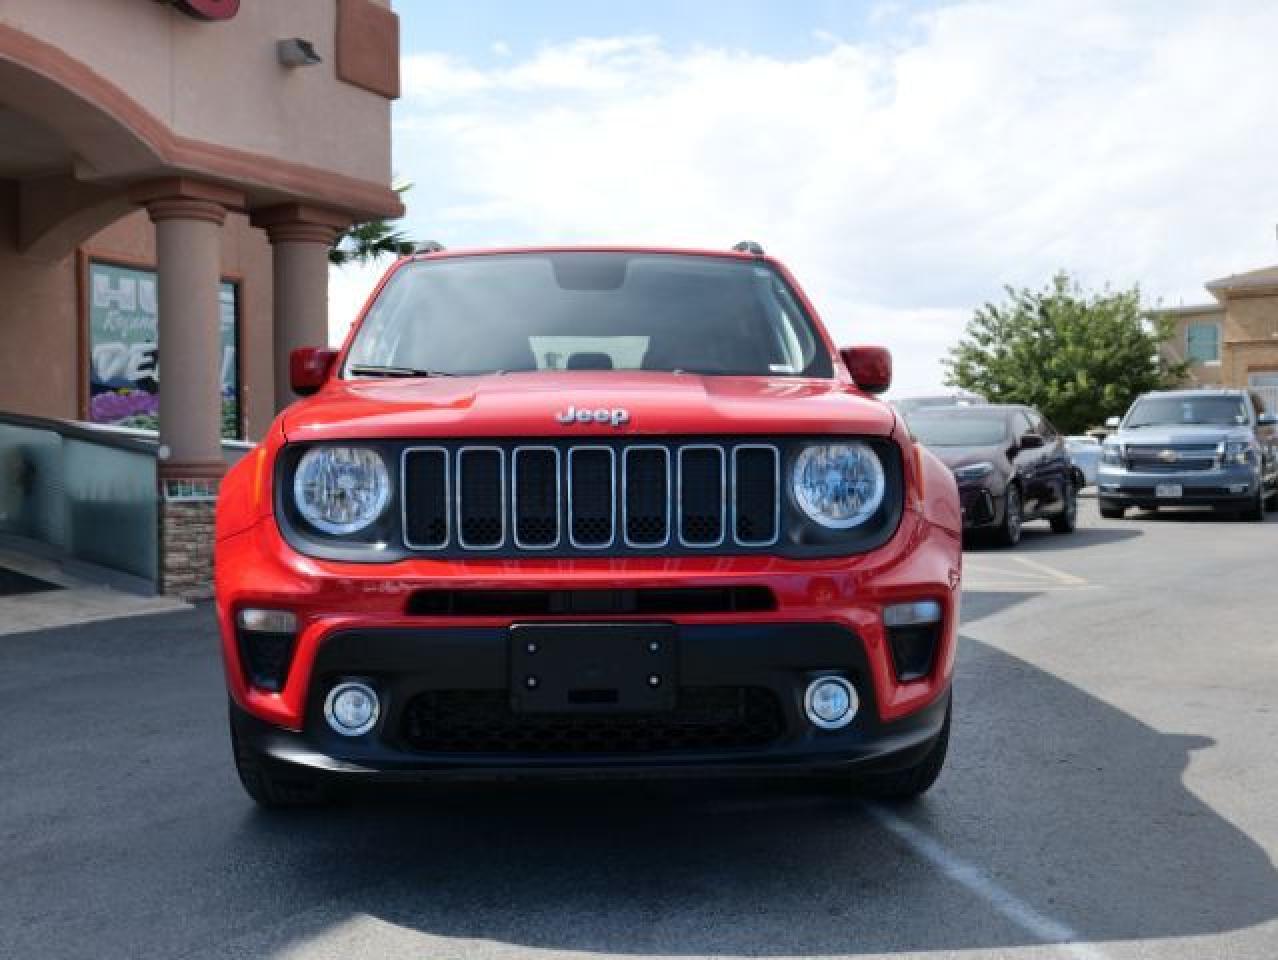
(425, 491)
(756, 494)
(591, 492)
(646, 496)
(536, 497)
(481, 722)
(481, 497)
(702, 495)
(644, 601)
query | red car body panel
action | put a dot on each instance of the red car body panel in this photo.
(256, 567)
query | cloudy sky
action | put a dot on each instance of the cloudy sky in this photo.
(905, 159)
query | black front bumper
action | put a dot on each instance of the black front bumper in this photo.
(471, 666)
(1146, 498)
(981, 507)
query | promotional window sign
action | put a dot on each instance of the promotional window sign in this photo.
(124, 361)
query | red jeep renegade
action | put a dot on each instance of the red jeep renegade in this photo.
(554, 511)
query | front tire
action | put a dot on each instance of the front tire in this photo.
(1255, 511)
(1008, 533)
(1111, 510)
(1068, 519)
(268, 787)
(912, 782)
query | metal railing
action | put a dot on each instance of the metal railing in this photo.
(85, 491)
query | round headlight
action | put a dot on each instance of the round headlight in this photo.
(341, 490)
(839, 485)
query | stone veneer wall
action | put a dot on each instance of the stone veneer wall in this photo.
(186, 537)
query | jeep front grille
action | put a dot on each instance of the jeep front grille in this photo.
(591, 498)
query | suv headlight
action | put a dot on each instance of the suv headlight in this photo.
(973, 471)
(838, 485)
(341, 490)
(1241, 452)
(1112, 454)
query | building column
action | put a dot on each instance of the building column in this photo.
(300, 236)
(188, 217)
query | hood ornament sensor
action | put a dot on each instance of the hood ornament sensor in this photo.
(617, 416)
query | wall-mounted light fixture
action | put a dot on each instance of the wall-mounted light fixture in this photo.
(296, 52)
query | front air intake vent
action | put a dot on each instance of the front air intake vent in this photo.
(481, 497)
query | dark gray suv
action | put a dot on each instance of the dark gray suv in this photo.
(1212, 448)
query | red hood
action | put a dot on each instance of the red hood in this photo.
(527, 404)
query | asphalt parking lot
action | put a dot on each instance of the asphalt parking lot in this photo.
(1112, 792)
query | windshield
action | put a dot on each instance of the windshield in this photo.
(587, 311)
(959, 431)
(1174, 411)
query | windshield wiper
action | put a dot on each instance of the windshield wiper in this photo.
(368, 370)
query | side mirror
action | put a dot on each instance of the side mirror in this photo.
(1112, 423)
(1031, 441)
(309, 368)
(871, 367)
(1266, 420)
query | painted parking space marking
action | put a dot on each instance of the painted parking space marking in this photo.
(1019, 574)
(972, 878)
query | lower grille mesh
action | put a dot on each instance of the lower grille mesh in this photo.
(481, 721)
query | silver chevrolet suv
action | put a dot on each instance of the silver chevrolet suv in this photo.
(1211, 448)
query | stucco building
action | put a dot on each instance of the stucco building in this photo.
(1233, 341)
(172, 173)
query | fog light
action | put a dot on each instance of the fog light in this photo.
(912, 614)
(830, 702)
(351, 708)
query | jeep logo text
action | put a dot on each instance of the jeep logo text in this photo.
(617, 416)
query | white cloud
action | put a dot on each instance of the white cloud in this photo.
(904, 179)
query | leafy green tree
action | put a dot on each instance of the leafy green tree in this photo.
(1078, 357)
(368, 242)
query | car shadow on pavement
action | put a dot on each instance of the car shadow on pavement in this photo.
(1193, 515)
(1072, 806)
(1040, 538)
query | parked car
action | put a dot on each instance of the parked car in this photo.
(1010, 465)
(1084, 453)
(543, 516)
(1210, 448)
(958, 398)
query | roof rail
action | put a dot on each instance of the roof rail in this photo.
(748, 246)
(430, 246)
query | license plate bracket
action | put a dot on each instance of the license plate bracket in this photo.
(570, 668)
(1168, 491)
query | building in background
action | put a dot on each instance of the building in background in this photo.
(172, 173)
(1232, 342)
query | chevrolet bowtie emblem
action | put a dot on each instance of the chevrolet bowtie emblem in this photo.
(617, 416)
(1168, 456)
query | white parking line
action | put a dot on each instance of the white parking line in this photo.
(1059, 575)
(972, 878)
(1019, 574)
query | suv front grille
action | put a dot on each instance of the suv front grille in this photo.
(482, 722)
(591, 498)
(1157, 458)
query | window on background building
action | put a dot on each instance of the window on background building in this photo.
(1203, 342)
(124, 362)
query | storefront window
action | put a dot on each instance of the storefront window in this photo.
(124, 364)
(1203, 342)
